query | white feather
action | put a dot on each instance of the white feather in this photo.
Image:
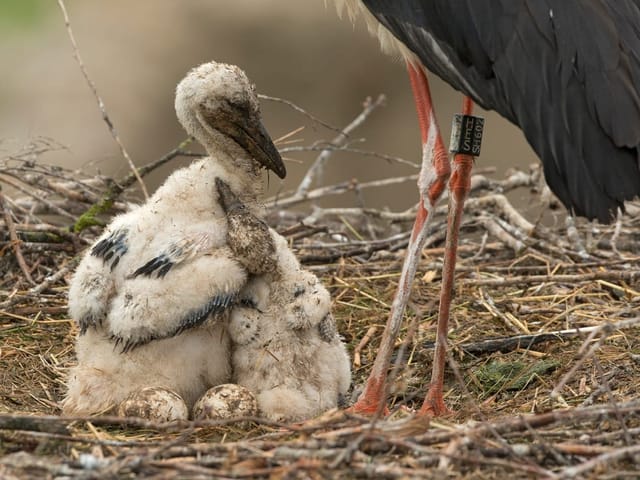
(183, 227)
(279, 352)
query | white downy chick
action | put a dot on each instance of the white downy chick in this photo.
(150, 294)
(286, 348)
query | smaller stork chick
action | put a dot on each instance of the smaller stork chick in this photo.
(150, 295)
(286, 348)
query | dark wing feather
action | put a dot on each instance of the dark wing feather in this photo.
(217, 305)
(112, 248)
(159, 265)
(175, 254)
(565, 71)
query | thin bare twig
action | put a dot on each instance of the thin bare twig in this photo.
(358, 151)
(337, 189)
(625, 275)
(15, 241)
(38, 289)
(605, 459)
(607, 329)
(299, 110)
(101, 105)
(369, 107)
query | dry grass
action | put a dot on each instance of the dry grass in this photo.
(506, 418)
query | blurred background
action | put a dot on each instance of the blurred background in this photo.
(136, 52)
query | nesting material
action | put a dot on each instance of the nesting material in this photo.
(150, 295)
(225, 401)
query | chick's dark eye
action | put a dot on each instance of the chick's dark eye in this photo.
(299, 290)
(236, 106)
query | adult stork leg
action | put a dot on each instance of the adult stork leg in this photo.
(459, 186)
(432, 182)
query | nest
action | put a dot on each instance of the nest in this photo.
(544, 361)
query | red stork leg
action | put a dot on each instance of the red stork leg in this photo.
(432, 182)
(459, 186)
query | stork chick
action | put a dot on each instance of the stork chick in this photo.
(286, 348)
(150, 294)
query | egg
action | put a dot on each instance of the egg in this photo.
(226, 401)
(155, 404)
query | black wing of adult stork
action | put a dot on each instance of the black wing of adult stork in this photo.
(567, 72)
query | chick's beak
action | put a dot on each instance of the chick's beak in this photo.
(248, 131)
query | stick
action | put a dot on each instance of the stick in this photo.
(34, 424)
(508, 344)
(601, 460)
(94, 90)
(299, 110)
(607, 329)
(629, 276)
(15, 241)
(337, 189)
(369, 107)
(363, 343)
(48, 281)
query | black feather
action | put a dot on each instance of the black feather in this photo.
(89, 320)
(566, 72)
(215, 306)
(160, 264)
(111, 248)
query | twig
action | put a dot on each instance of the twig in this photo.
(38, 198)
(94, 90)
(524, 422)
(319, 213)
(150, 167)
(508, 344)
(31, 423)
(363, 343)
(299, 110)
(574, 237)
(345, 149)
(336, 189)
(629, 276)
(509, 320)
(369, 107)
(394, 243)
(15, 241)
(616, 234)
(494, 228)
(107, 201)
(607, 329)
(605, 459)
(38, 289)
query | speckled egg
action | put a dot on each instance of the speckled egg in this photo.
(156, 404)
(225, 401)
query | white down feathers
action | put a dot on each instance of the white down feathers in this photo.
(286, 349)
(152, 296)
(126, 316)
(151, 292)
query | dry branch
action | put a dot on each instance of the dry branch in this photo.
(343, 136)
(101, 105)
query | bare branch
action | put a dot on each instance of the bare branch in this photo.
(369, 107)
(101, 105)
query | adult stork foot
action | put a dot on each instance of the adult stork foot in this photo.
(372, 400)
(434, 405)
